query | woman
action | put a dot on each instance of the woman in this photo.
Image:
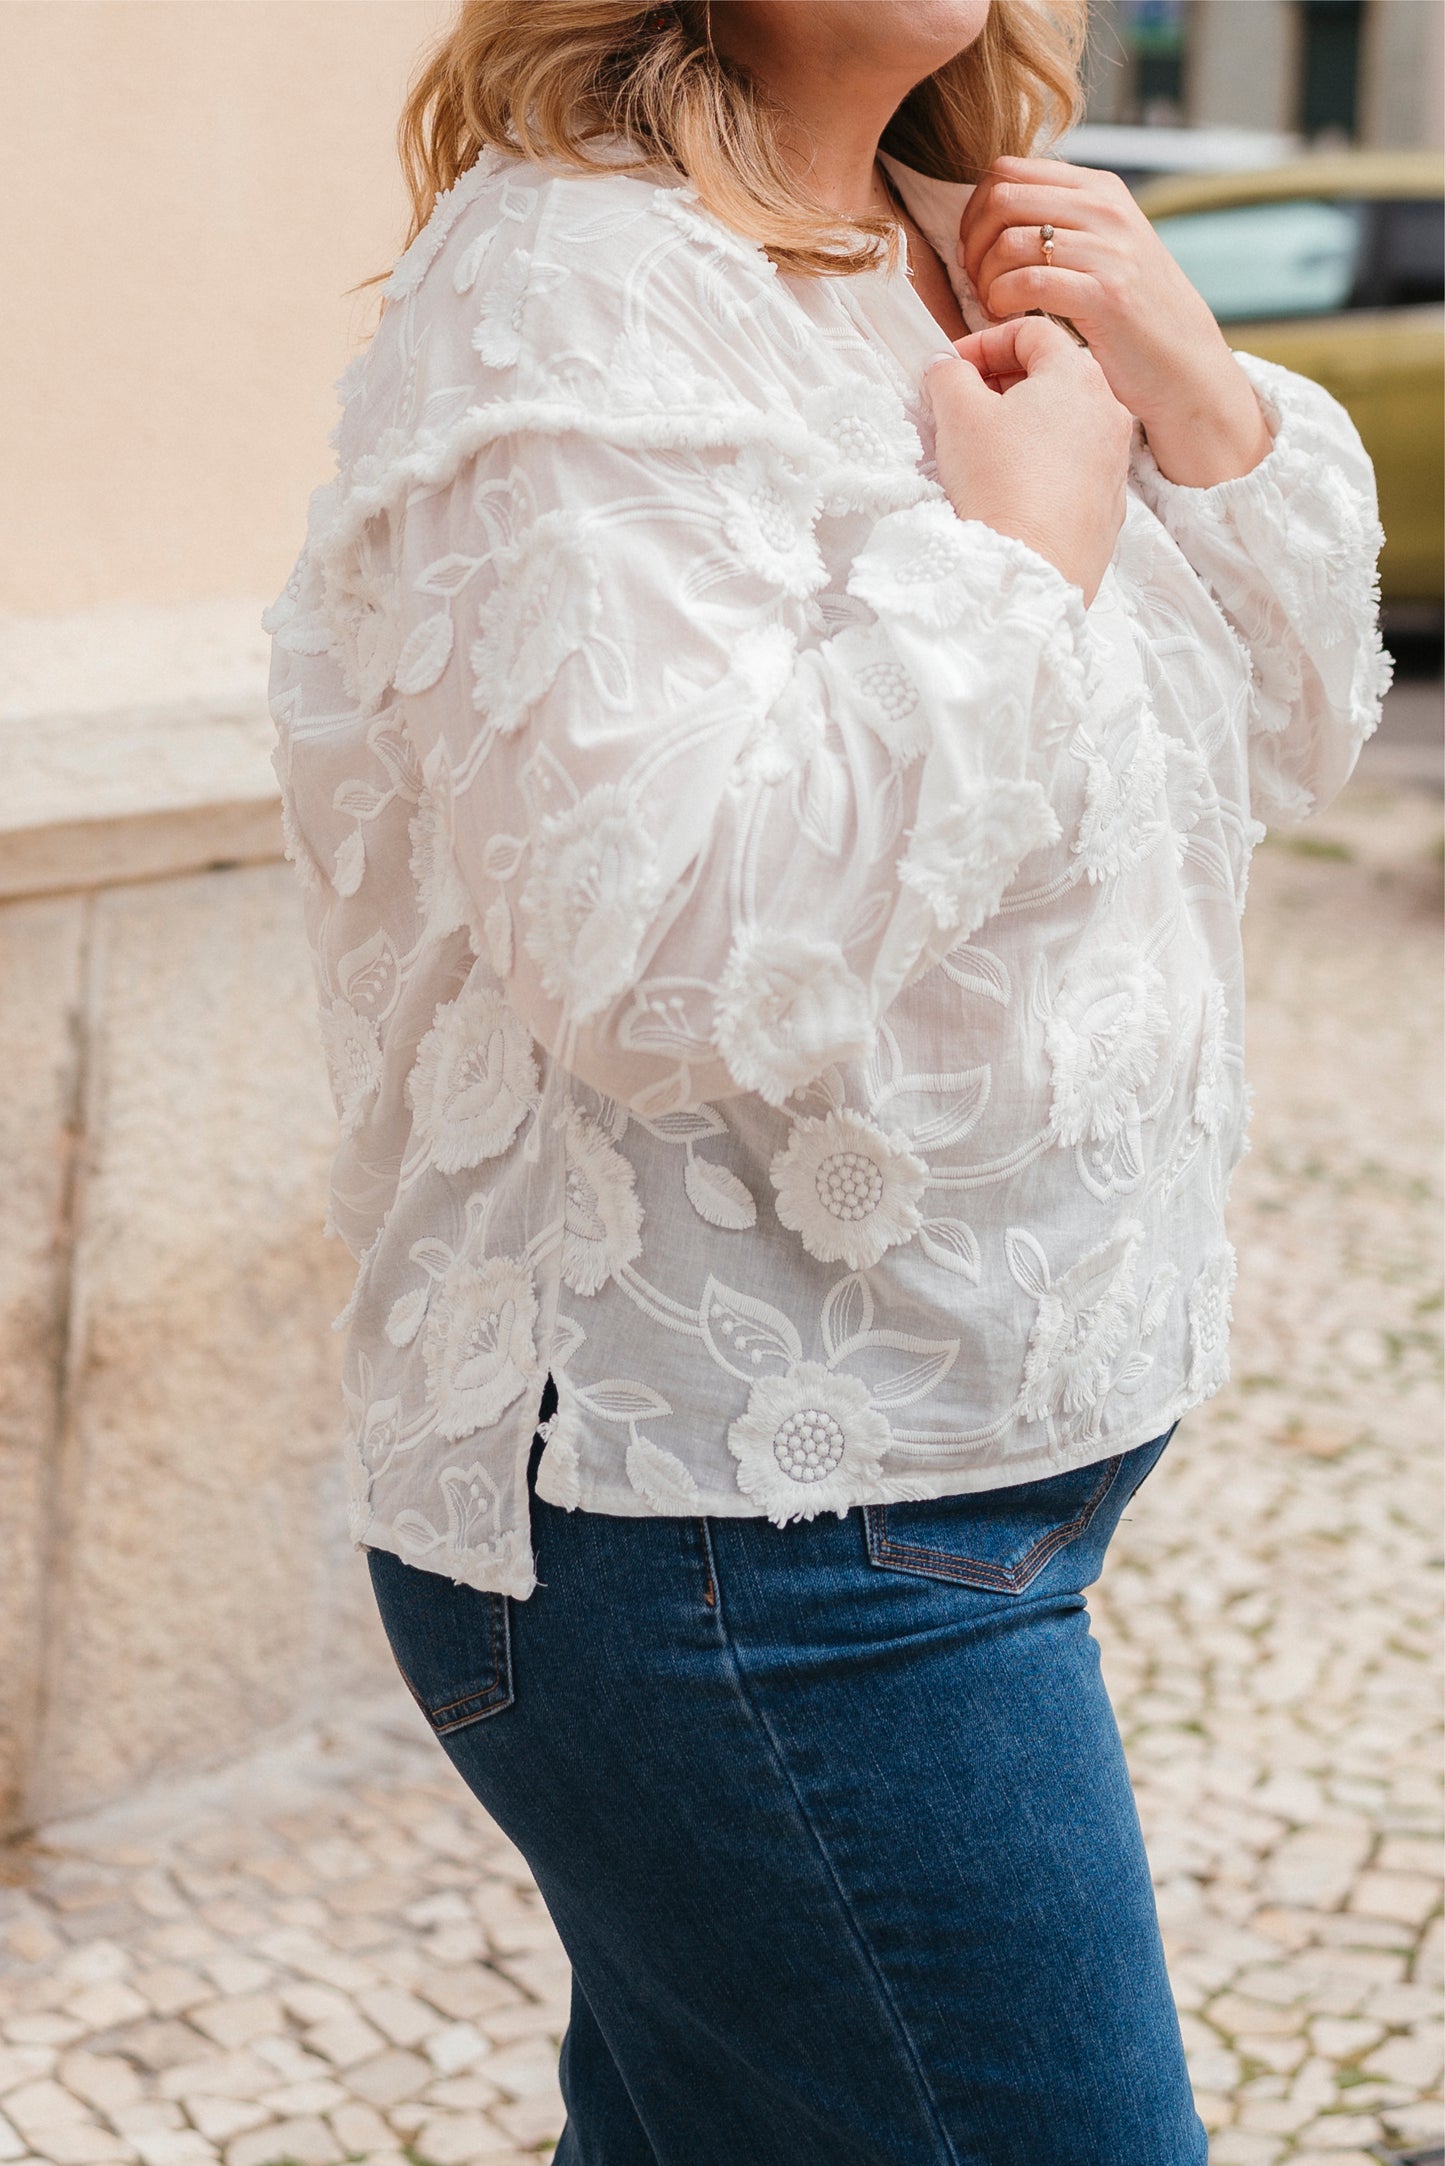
(773, 733)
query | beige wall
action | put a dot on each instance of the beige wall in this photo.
(189, 188)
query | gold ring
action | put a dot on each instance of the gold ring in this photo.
(1046, 243)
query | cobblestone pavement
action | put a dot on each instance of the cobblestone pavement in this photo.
(329, 1953)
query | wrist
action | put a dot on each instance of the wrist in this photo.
(1211, 428)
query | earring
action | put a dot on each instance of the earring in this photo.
(660, 19)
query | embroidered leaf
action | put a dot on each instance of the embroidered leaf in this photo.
(619, 1399)
(917, 1365)
(404, 1321)
(417, 1535)
(953, 1246)
(745, 1336)
(658, 1101)
(502, 856)
(359, 800)
(718, 1196)
(978, 970)
(884, 1063)
(693, 1124)
(350, 864)
(425, 655)
(447, 575)
(608, 669)
(1158, 1299)
(867, 920)
(433, 1256)
(469, 263)
(823, 803)
(966, 1095)
(662, 1480)
(368, 975)
(1133, 1373)
(559, 1475)
(567, 1336)
(1027, 1262)
(847, 1311)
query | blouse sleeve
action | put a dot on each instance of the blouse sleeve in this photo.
(710, 806)
(1289, 553)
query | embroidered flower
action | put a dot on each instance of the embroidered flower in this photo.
(362, 608)
(772, 510)
(441, 898)
(593, 890)
(1210, 1302)
(786, 1007)
(919, 564)
(1082, 1325)
(1124, 805)
(865, 451)
(1103, 1038)
(1211, 1084)
(473, 1504)
(961, 860)
(848, 1190)
(352, 1044)
(602, 1217)
(811, 1441)
(867, 677)
(497, 336)
(546, 603)
(478, 1346)
(474, 1081)
(651, 375)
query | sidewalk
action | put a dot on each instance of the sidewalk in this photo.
(328, 1953)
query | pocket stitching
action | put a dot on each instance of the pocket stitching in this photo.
(977, 1571)
(492, 1699)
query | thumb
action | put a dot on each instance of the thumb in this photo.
(954, 385)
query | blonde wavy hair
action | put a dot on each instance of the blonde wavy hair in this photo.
(552, 79)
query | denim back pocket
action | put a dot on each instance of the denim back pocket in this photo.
(998, 1540)
(452, 1644)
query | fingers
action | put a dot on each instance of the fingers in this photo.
(1008, 207)
(1060, 293)
(956, 383)
(1017, 249)
(1023, 346)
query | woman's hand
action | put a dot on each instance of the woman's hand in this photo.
(1032, 441)
(1151, 332)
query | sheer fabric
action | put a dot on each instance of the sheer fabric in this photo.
(778, 954)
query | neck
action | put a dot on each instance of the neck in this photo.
(839, 106)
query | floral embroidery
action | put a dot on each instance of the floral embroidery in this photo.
(882, 690)
(1124, 812)
(770, 520)
(866, 451)
(1082, 1325)
(352, 1044)
(474, 1082)
(961, 861)
(546, 602)
(602, 1216)
(592, 894)
(661, 1479)
(810, 1441)
(787, 1006)
(1210, 1299)
(654, 735)
(1103, 1037)
(847, 1189)
(498, 333)
(440, 894)
(478, 1346)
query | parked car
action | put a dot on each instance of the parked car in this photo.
(1335, 266)
(1139, 155)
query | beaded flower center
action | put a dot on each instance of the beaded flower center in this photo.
(849, 1185)
(775, 522)
(808, 1445)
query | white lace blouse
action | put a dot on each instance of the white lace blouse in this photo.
(779, 956)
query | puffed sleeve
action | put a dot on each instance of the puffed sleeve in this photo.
(710, 803)
(1289, 553)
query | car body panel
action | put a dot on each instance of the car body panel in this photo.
(1386, 365)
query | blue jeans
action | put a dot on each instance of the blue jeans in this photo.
(835, 1825)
